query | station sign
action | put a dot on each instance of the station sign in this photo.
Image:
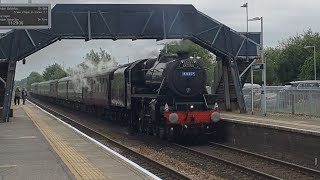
(25, 16)
(257, 67)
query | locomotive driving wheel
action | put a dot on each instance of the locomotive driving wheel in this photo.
(161, 132)
(170, 134)
(141, 125)
(131, 123)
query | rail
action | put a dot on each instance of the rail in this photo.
(158, 169)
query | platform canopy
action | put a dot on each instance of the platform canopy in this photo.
(129, 21)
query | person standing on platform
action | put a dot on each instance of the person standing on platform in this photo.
(17, 95)
(24, 95)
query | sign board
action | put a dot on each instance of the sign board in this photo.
(25, 16)
(257, 67)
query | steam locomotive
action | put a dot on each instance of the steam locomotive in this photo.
(165, 96)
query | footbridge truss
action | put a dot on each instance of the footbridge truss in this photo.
(105, 21)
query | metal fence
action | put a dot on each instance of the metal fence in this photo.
(283, 100)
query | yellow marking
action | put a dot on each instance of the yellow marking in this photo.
(268, 120)
(78, 165)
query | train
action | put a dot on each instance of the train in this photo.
(164, 96)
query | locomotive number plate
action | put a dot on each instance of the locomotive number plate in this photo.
(189, 74)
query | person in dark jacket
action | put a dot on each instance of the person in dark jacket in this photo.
(24, 95)
(17, 95)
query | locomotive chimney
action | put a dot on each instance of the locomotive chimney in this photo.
(183, 54)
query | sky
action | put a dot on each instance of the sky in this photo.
(282, 19)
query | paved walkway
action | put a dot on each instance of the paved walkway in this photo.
(303, 123)
(25, 153)
(84, 158)
(35, 145)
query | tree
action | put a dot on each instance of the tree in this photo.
(33, 78)
(206, 58)
(54, 71)
(94, 62)
(96, 59)
(21, 83)
(272, 56)
(290, 61)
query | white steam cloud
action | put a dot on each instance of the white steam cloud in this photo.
(79, 73)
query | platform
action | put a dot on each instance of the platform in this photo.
(35, 145)
(25, 153)
(301, 123)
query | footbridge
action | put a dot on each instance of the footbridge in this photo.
(131, 21)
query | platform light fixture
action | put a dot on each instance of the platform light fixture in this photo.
(314, 60)
(166, 46)
(264, 74)
(246, 5)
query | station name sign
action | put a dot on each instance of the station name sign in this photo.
(25, 16)
(257, 67)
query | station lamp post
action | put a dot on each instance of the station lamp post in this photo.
(166, 46)
(245, 5)
(314, 60)
(263, 92)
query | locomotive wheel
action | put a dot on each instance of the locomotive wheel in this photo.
(170, 134)
(141, 126)
(132, 123)
(162, 133)
(149, 129)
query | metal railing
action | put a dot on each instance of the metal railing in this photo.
(283, 100)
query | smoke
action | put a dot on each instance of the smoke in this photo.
(80, 73)
(154, 53)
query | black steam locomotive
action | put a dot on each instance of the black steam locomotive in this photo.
(165, 96)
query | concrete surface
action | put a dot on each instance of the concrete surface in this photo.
(25, 153)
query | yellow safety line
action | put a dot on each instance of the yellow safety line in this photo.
(80, 166)
(267, 120)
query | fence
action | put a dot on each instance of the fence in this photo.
(283, 100)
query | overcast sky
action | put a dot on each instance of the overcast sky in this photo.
(282, 18)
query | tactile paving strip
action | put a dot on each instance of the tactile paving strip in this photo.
(79, 165)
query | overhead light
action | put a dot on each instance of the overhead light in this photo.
(244, 5)
(255, 19)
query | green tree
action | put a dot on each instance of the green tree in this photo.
(291, 61)
(272, 56)
(53, 71)
(22, 83)
(206, 58)
(33, 78)
(101, 58)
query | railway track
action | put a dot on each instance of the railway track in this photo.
(217, 160)
(244, 169)
(275, 165)
(156, 168)
(259, 165)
